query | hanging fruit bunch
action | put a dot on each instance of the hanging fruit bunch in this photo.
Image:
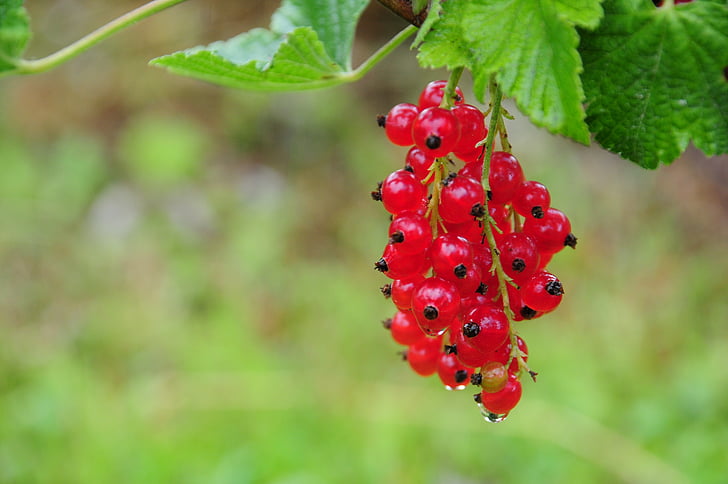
(468, 246)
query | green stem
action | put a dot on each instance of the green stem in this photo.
(40, 65)
(448, 94)
(380, 54)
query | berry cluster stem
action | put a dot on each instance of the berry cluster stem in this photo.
(448, 94)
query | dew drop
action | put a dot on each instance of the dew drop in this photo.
(458, 387)
(489, 416)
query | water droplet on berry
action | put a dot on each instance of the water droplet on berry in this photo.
(450, 389)
(489, 416)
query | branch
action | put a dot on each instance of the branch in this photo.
(403, 8)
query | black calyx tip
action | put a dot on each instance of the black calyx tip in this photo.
(433, 142)
(451, 349)
(528, 313)
(570, 241)
(476, 379)
(449, 179)
(489, 195)
(377, 194)
(476, 397)
(386, 290)
(381, 120)
(381, 265)
(478, 210)
(457, 98)
(554, 288)
(518, 264)
(460, 271)
(403, 354)
(387, 323)
(471, 329)
(461, 376)
(430, 312)
(537, 212)
(409, 168)
(397, 237)
(482, 288)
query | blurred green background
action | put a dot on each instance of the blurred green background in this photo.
(187, 293)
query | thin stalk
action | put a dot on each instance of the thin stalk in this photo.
(380, 54)
(43, 64)
(448, 94)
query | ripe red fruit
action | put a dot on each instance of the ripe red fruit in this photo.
(472, 127)
(401, 192)
(451, 256)
(542, 292)
(505, 400)
(404, 328)
(453, 374)
(466, 353)
(420, 163)
(422, 356)
(461, 199)
(410, 232)
(519, 256)
(435, 304)
(531, 199)
(397, 265)
(398, 123)
(486, 328)
(551, 232)
(505, 176)
(436, 131)
(401, 291)
(432, 94)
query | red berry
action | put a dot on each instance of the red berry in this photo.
(420, 163)
(401, 191)
(531, 199)
(505, 400)
(451, 256)
(473, 170)
(505, 176)
(435, 304)
(422, 356)
(436, 131)
(542, 292)
(467, 354)
(397, 265)
(472, 127)
(410, 232)
(461, 199)
(503, 354)
(452, 373)
(398, 123)
(551, 232)
(401, 291)
(472, 230)
(486, 328)
(432, 95)
(404, 328)
(519, 256)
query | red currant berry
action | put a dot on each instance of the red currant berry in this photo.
(531, 199)
(502, 218)
(470, 283)
(461, 199)
(473, 169)
(503, 354)
(542, 292)
(422, 356)
(397, 265)
(451, 256)
(472, 127)
(472, 230)
(494, 377)
(486, 328)
(405, 329)
(435, 304)
(519, 256)
(436, 131)
(551, 232)
(432, 95)
(401, 191)
(420, 163)
(466, 353)
(401, 291)
(505, 176)
(452, 373)
(503, 401)
(410, 232)
(398, 123)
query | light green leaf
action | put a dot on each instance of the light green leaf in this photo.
(584, 13)
(307, 46)
(14, 32)
(655, 80)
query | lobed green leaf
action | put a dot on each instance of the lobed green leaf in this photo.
(14, 32)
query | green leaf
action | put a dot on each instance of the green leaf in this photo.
(14, 32)
(307, 46)
(432, 16)
(655, 80)
(584, 13)
(529, 44)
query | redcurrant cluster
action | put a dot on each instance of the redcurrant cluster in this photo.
(465, 263)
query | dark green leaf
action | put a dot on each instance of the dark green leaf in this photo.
(14, 32)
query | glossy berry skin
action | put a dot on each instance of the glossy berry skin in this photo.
(410, 232)
(473, 169)
(404, 328)
(398, 123)
(432, 95)
(531, 199)
(422, 356)
(503, 354)
(397, 265)
(505, 400)
(494, 377)
(435, 304)
(420, 163)
(472, 127)
(519, 256)
(451, 256)
(460, 195)
(550, 232)
(402, 192)
(436, 131)
(542, 292)
(505, 176)
(453, 374)
(486, 328)
(401, 291)
(467, 354)
(472, 230)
